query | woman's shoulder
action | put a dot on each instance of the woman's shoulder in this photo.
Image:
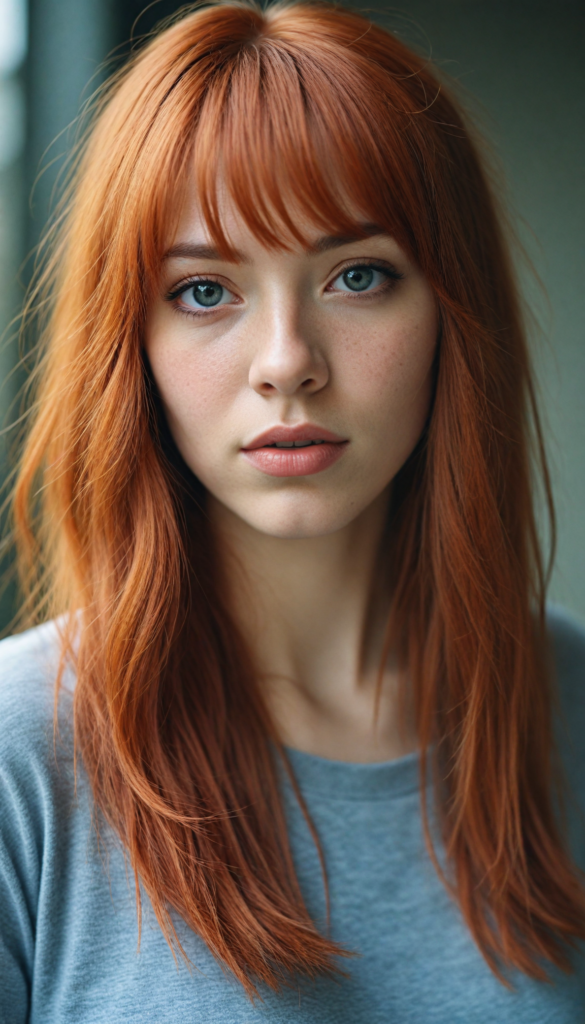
(36, 792)
(29, 665)
(36, 749)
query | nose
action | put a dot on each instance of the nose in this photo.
(287, 360)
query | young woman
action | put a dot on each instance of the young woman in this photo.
(275, 512)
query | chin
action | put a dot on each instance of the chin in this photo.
(298, 519)
(292, 531)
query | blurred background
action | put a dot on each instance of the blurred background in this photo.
(521, 65)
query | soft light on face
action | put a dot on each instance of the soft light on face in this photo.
(331, 345)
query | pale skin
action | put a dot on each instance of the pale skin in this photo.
(290, 341)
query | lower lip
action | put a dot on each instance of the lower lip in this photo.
(295, 461)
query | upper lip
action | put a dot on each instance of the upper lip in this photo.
(302, 432)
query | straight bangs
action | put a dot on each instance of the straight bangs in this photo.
(303, 136)
(294, 128)
(304, 115)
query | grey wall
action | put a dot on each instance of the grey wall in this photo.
(68, 41)
(523, 61)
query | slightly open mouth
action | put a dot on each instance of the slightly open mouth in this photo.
(294, 458)
(292, 444)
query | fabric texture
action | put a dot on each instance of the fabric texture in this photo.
(68, 924)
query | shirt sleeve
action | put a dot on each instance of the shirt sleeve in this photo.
(26, 745)
(18, 898)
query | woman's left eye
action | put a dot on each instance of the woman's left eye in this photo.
(361, 279)
(204, 294)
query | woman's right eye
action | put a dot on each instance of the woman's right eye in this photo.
(204, 294)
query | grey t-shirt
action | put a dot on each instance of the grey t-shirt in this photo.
(68, 926)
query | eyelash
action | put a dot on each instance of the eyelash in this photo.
(176, 293)
(392, 278)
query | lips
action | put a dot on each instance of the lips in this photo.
(289, 435)
(294, 451)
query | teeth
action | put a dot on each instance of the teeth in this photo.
(293, 444)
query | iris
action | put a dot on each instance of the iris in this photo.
(207, 293)
(358, 278)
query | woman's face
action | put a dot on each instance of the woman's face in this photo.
(255, 358)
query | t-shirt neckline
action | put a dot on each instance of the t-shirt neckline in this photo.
(347, 780)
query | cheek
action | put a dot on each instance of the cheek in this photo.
(197, 386)
(388, 369)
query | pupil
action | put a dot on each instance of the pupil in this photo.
(358, 278)
(207, 293)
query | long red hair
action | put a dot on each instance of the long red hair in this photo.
(300, 107)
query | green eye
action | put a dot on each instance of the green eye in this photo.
(207, 293)
(359, 279)
(365, 277)
(202, 294)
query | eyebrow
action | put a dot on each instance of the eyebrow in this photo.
(195, 251)
(202, 251)
(335, 241)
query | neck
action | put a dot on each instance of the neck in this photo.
(314, 611)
